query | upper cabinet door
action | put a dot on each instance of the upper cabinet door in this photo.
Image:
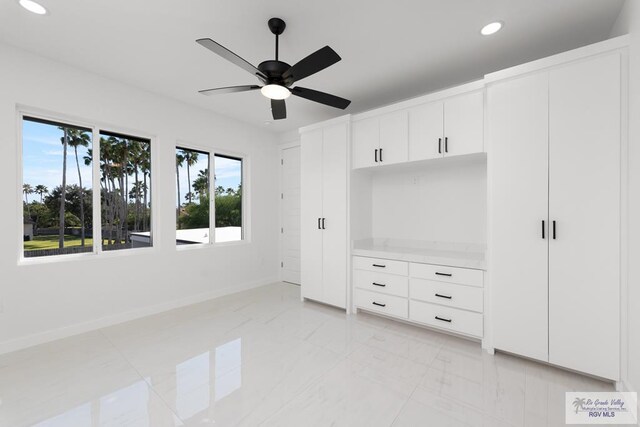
(426, 131)
(394, 133)
(366, 142)
(464, 124)
(584, 200)
(311, 188)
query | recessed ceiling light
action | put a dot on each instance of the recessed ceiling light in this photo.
(491, 28)
(33, 7)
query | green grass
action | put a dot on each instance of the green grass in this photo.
(51, 242)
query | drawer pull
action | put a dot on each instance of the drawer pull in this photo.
(378, 304)
(379, 265)
(442, 319)
(378, 284)
(444, 296)
(444, 274)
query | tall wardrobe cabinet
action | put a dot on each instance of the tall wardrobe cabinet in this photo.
(324, 241)
(554, 204)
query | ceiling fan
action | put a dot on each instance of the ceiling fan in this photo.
(277, 76)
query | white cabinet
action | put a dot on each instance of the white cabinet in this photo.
(324, 214)
(380, 140)
(447, 298)
(446, 128)
(554, 176)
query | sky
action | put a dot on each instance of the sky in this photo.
(42, 162)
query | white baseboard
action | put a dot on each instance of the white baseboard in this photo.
(103, 322)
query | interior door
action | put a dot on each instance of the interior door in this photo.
(584, 200)
(518, 182)
(290, 214)
(366, 140)
(311, 213)
(394, 138)
(464, 124)
(334, 207)
(426, 130)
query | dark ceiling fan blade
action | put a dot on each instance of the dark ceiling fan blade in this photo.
(278, 109)
(317, 61)
(321, 97)
(231, 57)
(229, 89)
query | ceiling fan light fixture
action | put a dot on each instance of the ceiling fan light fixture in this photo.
(491, 28)
(273, 91)
(33, 7)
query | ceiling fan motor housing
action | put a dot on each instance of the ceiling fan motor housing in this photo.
(274, 70)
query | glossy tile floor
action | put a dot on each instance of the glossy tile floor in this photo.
(262, 357)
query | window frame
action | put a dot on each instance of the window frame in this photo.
(95, 127)
(244, 180)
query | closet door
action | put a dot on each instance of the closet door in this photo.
(394, 138)
(366, 140)
(334, 207)
(464, 124)
(426, 131)
(310, 213)
(584, 200)
(518, 197)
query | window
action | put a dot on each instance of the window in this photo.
(125, 196)
(228, 198)
(193, 202)
(56, 188)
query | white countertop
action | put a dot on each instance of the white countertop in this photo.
(465, 255)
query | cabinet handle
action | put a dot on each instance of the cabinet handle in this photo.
(376, 155)
(381, 154)
(379, 265)
(543, 228)
(319, 224)
(443, 319)
(323, 223)
(554, 230)
(444, 274)
(378, 304)
(444, 296)
(446, 144)
(439, 145)
(378, 284)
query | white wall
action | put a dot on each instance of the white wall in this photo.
(45, 301)
(440, 201)
(629, 22)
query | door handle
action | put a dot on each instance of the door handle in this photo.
(323, 223)
(444, 296)
(376, 155)
(381, 154)
(319, 224)
(543, 228)
(554, 230)
(378, 304)
(446, 144)
(443, 319)
(439, 145)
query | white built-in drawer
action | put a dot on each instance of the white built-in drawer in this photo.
(386, 304)
(381, 265)
(449, 294)
(463, 276)
(391, 284)
(452, 319)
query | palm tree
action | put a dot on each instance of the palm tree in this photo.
(63, 192)
(27, 189)
(179, 162)
(191, 157)
(80, 138)
(41, 190)
(145, 166)
(201, 184)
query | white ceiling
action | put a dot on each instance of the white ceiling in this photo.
(391, 50)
